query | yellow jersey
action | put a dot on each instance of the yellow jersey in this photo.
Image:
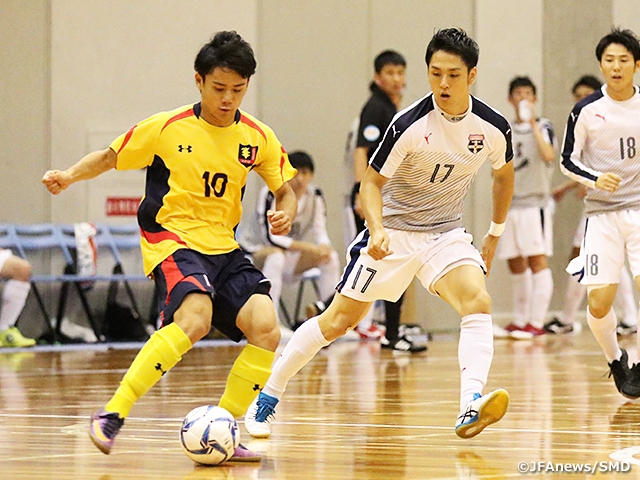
(196, 175)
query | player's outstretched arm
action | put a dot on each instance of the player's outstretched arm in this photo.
(502, 194)
(90, 166)
(282, 217)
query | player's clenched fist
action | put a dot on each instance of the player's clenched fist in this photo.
(56, 181)
(279, 221)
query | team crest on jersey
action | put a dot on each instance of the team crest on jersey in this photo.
(476, 142)
(247, 154)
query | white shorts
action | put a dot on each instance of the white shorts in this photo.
(527, 232)
(606, 238)
(428, 256)
(4, 255)
(579, 236)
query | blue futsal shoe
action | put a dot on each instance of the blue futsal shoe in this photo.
(481, 412)
(261, 412)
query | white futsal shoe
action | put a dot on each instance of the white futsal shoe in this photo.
(261, 412)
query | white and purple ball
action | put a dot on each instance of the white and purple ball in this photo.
(209, 435)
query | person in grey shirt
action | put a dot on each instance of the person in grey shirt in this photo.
(528, 237)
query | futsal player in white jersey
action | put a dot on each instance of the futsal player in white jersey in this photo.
(575, 291)
(413, 196)
(527, 241)
(601, 150)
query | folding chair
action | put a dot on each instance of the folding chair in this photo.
(312, 275)
(55, 237)
(124, 237)
(9, 240)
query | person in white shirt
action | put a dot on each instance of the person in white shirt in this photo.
(601, 150)
(527, 241)
(413, 196)
(284, 258)
(575, 292)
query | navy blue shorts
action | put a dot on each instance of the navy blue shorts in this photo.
(230, 279)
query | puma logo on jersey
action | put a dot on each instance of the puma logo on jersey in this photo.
(601, 116)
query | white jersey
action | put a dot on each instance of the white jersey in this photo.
(309, 225)
(431, 162)
(532, 187)
(603, 135)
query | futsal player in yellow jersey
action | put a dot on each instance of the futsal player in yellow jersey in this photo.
(197, 159)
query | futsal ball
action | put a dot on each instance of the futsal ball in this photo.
(209, 435)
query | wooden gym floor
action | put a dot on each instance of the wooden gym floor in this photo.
(355, 412)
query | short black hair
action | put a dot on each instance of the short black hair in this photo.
(521, 82)
(457, 42)
(587, 81)
(301, 160)
(626, 38)
(388, 57)
(226, 50)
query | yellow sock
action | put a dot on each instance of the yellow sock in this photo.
(248, 375)
(162, 351)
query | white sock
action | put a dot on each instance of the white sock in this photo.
(572, 300)
(475, 352)
(625, 299)
(273, 269)
(542, 290)
(14, 297)
(301, 348)
(521, 297)
(604, 329)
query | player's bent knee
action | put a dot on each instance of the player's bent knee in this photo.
(263, 334)
(598, 309)
(600, 299)
(476, 302)
(257, 320)
(194, 316)
(24, 271)
(334, 327)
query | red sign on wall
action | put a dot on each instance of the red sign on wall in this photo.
(122, 206)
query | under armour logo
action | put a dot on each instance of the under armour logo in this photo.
(159, 368)
(394, 131)
(256, 388)
(182, 148)
(427, 137)
(601, 116)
